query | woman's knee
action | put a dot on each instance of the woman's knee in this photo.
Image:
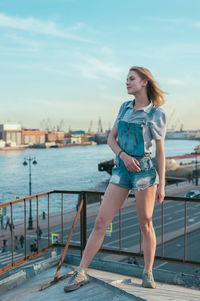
(146, 226)
(100, 224)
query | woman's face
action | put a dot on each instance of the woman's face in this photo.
(135, 83)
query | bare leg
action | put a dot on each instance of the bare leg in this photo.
(114, 198)
(145, 205)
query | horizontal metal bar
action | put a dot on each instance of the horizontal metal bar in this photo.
(167, 198)
(68, 191)
(176, 198)
(24, 199)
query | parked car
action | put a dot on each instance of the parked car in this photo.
(193, 194)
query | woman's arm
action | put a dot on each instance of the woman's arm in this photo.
(160, 159)
(131, 163)
(112, 142)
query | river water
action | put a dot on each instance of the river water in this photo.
(69, 168)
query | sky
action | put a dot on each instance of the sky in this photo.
(68, 59)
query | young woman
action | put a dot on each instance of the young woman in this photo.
(139, 122)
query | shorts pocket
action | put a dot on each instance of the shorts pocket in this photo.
(145, 179)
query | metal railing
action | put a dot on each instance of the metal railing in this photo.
(64, 219)
(21, 227)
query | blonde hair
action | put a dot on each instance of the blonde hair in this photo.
(154, 93)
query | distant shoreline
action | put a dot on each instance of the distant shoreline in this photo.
(13, 148)
(10, 148)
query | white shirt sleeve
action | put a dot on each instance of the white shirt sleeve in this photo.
(158, 124)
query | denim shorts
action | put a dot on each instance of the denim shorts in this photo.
(141, 180)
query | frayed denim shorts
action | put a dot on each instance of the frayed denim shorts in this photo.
(141, 180)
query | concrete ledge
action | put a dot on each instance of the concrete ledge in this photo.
(119, 292)
(19, 277)
(12, 281)
(45, 264)
(160, 275)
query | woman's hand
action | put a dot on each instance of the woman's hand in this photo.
(160, 194)
(131, 163)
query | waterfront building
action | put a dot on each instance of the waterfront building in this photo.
(72, 139)
(55, 136)
(33, 136)
(2, 143)
(11, 133)
(76, 139)
(79, 132)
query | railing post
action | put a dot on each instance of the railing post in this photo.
(12, 234)
(140, 242)
(37, 225)
(185, 232)
(62, 229)
(162, 229)
(120, 229)
(83, 223)
(25, 243)
(48, 222)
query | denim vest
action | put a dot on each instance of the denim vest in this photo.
(130, 135)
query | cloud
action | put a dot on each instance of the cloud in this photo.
(167, 20)
(176, 51)
(133, 28)
(175, 82)
(180, 85)
(36, 26)
(176, 21)
(196, 24)
(93, 68)
(78, 26)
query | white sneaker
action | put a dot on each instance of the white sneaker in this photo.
(147, 279)
(78, 279)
